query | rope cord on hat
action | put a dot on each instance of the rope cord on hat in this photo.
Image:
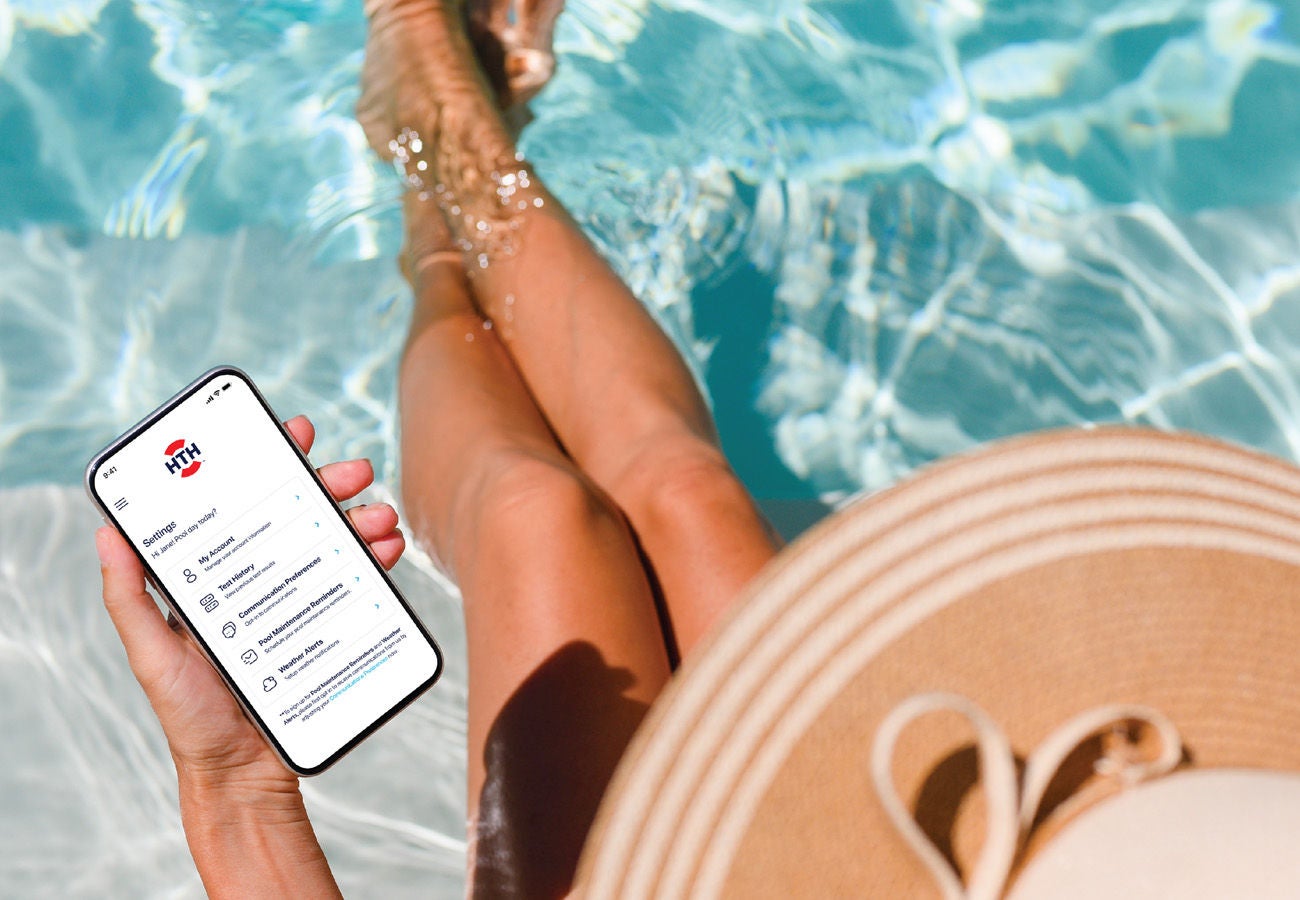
(1011, 806)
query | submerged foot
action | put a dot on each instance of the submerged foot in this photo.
(431, 63)
(418, 61)
(514, 39)
(428, 103)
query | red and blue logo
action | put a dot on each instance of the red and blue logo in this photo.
(182, 459)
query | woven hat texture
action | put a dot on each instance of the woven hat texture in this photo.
(1039, 577)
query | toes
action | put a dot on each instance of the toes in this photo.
(512, 40)
(530, 59)
(527, 71)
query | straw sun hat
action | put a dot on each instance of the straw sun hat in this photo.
(1068, 665)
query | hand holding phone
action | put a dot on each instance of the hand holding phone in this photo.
(204, 725)
(287, 606)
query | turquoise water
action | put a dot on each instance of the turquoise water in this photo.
(880, 231)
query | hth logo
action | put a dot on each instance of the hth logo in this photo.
(183, 458)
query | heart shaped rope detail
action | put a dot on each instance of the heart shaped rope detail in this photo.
(1012, 803)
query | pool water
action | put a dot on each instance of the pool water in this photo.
(881, 232)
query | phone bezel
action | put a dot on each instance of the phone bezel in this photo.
(127, 437)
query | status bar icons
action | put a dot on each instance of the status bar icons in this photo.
(216, 392)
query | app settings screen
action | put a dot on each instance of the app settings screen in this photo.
(258, 559)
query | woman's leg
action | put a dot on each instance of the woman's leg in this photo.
(612, 387)
(564, 645)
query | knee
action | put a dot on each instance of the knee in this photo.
(515, 496)
(677, 481)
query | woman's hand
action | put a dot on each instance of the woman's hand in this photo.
(212, 743)
(243, 814)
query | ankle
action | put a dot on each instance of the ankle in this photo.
(428, 269)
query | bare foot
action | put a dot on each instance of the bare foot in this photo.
(513, 39)
(431, 64)
(419, 67)
(427, 103)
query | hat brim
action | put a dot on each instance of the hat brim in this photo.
(1038, 577)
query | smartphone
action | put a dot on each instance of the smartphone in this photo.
(250, 552)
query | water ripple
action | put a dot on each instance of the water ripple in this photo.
(156, 205)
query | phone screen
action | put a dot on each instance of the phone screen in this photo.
(264, 570)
